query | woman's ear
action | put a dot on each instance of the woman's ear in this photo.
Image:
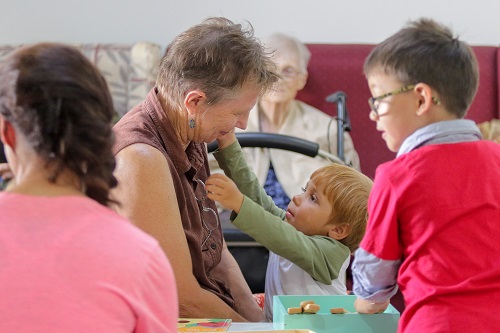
(340, 231)
(7, 133)
(193, 100)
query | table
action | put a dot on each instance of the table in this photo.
(238, 327)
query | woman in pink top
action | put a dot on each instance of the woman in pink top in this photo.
(68, 263)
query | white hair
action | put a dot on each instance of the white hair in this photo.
(286, 43)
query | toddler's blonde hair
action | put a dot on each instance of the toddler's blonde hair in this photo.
(347, 191)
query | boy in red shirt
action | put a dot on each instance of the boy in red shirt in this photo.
(434, 212)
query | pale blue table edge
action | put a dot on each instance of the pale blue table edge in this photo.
(238, 327)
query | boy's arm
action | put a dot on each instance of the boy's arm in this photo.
(320, 256)
(374, 278)
(232, 161)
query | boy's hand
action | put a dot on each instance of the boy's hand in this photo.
(364, 306)
(222, 189)
(226, 140)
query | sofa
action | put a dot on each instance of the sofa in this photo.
(129, 69)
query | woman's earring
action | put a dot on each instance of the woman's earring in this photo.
(192, 123)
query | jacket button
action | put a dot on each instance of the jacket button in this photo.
(213, 246)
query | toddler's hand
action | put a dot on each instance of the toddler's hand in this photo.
(222, 189)
(226, 140)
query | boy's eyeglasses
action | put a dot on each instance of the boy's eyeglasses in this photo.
(201, 197)
(374, 102)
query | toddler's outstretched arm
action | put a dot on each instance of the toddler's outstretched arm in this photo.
(222, 189)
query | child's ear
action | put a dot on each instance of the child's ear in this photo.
(339, 231)
(425, 98)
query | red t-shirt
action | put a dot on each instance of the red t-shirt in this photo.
(438, 209)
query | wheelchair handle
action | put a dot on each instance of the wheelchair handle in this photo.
(279, 141)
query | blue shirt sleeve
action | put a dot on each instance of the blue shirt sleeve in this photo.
(374, 279)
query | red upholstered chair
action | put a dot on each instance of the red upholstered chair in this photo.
(498, 84)
(486, 104)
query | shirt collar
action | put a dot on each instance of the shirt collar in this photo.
(449, 131)
(189, 160)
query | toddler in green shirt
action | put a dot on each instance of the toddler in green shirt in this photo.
(311, 242)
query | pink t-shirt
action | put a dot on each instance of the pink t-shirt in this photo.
(69, 264)
(438, 209)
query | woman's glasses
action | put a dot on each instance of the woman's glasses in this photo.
(290, 72)
(201, 196)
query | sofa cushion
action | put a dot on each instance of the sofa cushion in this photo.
(129, 69)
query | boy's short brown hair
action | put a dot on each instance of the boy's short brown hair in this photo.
(426, 51)
(347, 191)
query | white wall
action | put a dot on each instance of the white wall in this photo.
(321, 21)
